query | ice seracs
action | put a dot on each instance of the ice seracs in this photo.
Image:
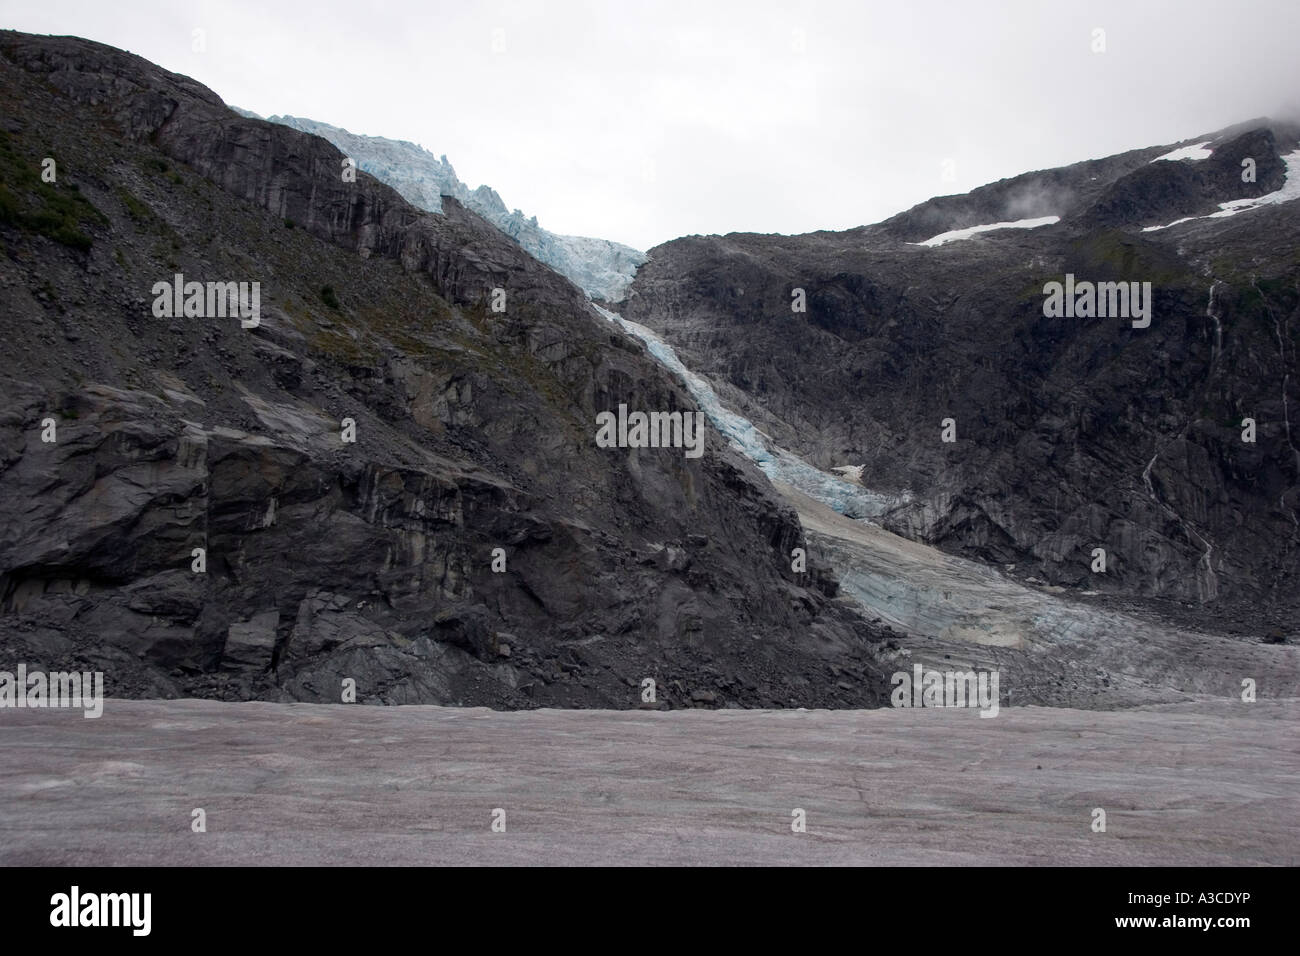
(969, 231)
(601, 267)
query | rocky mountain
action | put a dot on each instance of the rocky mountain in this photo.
(385, 471)
(599, 266)
(1170, 443)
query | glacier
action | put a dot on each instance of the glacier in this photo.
(601, 268)
(843, 497)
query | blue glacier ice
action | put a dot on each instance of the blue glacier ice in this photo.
(842, 496)
(600, 267)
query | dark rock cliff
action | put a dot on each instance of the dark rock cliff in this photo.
(325, 559)
(1072, 433)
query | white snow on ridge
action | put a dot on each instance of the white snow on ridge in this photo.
(969, 231)
(1197, 151)
(1290, 190)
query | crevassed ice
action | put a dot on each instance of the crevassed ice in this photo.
(778, 464)
(969, 231)
(1188, 152)
(1290, 190)
(600, 267)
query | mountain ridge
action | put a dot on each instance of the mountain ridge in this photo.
(1050, 463)
(325, 560)
(601, 267)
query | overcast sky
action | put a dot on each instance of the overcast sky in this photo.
(641, 120)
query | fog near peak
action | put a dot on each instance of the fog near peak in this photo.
(1037, 199)
(640, 123)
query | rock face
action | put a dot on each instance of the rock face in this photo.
(599, 266)
(1071, 434)
(196, 507)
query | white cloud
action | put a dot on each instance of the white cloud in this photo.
(752, 115)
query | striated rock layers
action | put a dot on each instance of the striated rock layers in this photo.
(1071, 434)
(599, 266)
(183, 510)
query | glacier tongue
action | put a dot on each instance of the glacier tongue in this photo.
(841, 496)
(600, 267)
(1054, 648)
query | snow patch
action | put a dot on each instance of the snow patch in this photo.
(1197, 151)
(969, 231)
(1290, 190)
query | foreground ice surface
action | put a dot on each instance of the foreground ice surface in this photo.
(1051, 646)
(1290, 190)
(845, 497)
(946, 604)
(1204, 783)
(1198, 151)
(969, 231)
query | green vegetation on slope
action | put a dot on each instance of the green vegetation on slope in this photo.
(29, 202)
